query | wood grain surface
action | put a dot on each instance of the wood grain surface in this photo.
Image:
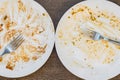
(53, 69)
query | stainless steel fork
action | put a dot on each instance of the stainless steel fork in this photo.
(13, 45)
(98, 36)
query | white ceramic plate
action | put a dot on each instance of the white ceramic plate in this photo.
(25, 68)
(71, 50)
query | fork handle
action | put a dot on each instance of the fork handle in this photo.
(116, 42)
(4, 51)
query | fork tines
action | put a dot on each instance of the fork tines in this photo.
(16, 42)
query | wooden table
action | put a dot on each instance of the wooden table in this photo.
(53, 69)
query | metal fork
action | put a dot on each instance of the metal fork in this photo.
(13, 45)
(98, 36)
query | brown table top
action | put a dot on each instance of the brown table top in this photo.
(53, 69)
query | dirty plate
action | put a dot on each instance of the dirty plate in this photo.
(79, 53)
(30, 19)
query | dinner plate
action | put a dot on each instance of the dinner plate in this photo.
(30, 19)
(79, 53)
